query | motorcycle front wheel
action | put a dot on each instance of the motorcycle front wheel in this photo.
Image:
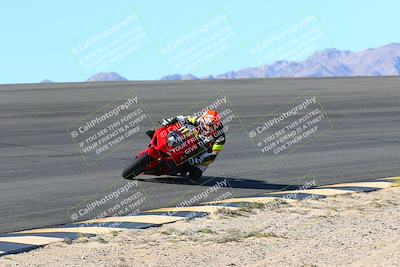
(137, 167)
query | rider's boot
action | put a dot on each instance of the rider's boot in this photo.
(196, 172)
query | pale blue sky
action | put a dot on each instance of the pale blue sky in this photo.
(36, 35)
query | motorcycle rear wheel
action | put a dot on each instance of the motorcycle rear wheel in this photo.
(137, 167)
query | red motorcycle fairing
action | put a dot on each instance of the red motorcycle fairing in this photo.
(169, 157)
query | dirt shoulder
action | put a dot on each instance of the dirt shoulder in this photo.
(361, 229)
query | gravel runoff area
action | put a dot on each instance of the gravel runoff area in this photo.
(360, 229)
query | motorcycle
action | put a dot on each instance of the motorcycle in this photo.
(170, 152)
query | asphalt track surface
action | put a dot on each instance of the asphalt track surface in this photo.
(44, 179)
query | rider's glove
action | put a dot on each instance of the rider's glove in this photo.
(206, 139)
(166, 122)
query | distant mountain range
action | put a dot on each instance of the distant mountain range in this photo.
(176, 77)
(380, 61)
(106, 77)
(46, 81)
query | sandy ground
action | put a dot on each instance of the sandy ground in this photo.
(361, 229)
